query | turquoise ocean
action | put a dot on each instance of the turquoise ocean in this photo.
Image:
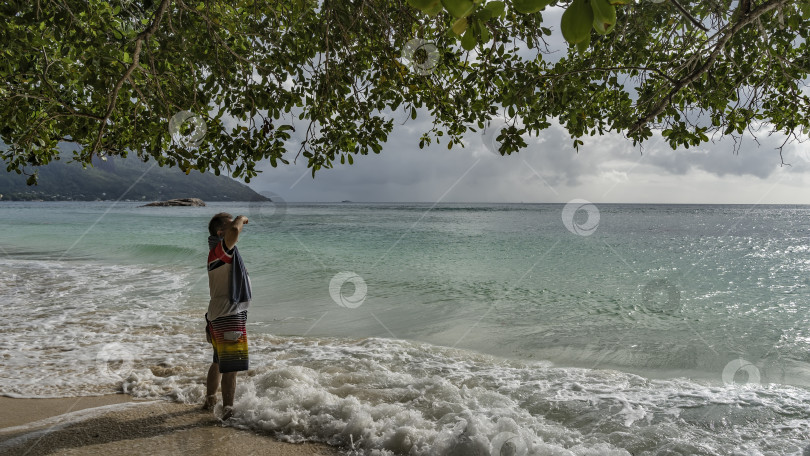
(434, 329)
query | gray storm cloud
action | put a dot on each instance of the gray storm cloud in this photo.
(549, 170)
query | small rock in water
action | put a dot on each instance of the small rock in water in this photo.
(178, 202)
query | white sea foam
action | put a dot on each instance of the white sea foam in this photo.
(77, 328)
(387, 397)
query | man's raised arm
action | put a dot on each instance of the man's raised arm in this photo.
(232, 232)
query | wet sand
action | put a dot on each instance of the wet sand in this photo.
(117, 425)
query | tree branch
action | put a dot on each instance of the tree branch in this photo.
(618, 68)
(693, 19)
(745, 19)
(112, 98)
(69, 108)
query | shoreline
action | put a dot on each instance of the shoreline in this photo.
(118, 424)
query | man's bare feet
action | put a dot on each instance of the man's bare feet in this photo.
(227, 412)
(210, 402)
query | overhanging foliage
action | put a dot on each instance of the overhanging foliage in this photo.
(110, 76)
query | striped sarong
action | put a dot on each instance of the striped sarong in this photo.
(228, 335)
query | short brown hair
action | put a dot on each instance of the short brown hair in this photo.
(218, 222)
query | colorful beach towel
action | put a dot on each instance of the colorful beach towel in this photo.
(228, 335)
(240, 283)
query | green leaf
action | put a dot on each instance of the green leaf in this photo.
(497, 8)
(468, 40)
(458, 8)
(485, 35)
(529, 6)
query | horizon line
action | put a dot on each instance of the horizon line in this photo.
(523, 202)
(423, 202)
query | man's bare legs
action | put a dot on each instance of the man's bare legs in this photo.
(228, 381)
(211, 386)
(228, 392)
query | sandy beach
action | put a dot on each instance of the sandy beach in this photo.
(116, 424)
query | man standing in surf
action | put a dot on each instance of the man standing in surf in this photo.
(226, 318)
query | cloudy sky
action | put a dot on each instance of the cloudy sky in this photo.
(606, 169)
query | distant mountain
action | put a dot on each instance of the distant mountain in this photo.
(129, 179)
